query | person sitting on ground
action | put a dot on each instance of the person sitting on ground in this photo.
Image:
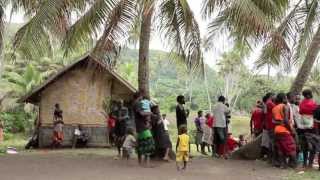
(80, 137)
(231, 145)
(242, 141)
(284, 140)
(256, 120)
(129, 144)
(182, 148)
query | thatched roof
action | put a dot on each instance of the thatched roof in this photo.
(33, 96)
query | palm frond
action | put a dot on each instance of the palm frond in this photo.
(118, 24)
(310, 11)
(33, 37)
(180, 29)
(277, 51)
(248, 18)
(209, 7)
(89, 25)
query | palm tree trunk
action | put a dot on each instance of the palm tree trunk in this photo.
(207, 88)
(307, 64)
(145, 34)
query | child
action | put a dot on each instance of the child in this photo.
(166, 122)
(199, 121)
(182, 148)
(129, 144)
(232, 144)
(242, 140)
(111, 123)
(145, 104)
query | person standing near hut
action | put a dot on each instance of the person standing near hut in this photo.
(58, 127)
(146, 145)
(121, 126)
(181, 113)
(161, 136)
(1, 131)
(306, 125)
(220, 111)
(256, 120)
(285, 143)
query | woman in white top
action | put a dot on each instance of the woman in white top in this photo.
(166, 122)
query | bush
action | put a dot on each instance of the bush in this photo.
(17, 120)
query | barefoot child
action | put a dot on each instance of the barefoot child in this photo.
(182, 148)
(129, 144)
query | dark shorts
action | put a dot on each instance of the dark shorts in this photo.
(220, 135)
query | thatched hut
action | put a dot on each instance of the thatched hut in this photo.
(82, 89)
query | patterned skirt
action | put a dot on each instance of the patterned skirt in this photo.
(146, 145)
(286, 144)
(58, 136)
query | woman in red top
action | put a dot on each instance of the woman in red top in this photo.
(210, 120)
(111, 123)
(306, 125)
(256, 119)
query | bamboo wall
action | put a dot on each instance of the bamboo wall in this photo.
(80, 93)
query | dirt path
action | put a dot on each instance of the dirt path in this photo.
(52, 166)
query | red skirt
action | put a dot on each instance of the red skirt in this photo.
(58, 136)
(286, 144)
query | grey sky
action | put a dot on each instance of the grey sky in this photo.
(220, 45)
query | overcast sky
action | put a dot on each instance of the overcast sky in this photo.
(156, 43)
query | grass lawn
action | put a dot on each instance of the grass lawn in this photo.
(239, 125)
(309, 175)
(13, 140)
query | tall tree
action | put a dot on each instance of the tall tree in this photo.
(289, 28)
(114, 18)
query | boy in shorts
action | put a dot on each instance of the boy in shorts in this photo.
(182, 148)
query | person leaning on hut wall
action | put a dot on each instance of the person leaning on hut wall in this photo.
(57, 127)
(1, 131)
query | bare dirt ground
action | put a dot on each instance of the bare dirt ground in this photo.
(52, 165)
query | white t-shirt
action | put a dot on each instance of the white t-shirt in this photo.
(77, 132)
(219, 112)
(129, 142)
(166, 123)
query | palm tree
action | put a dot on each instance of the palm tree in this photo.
(287, 27)
(110, 21)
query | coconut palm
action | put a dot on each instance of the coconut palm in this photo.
(291, 30)
(110, 21)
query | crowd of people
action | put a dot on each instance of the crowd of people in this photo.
(289, 128)
(212, 131)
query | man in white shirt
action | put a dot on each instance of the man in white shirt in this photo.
(166, 122)
(220, 110)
